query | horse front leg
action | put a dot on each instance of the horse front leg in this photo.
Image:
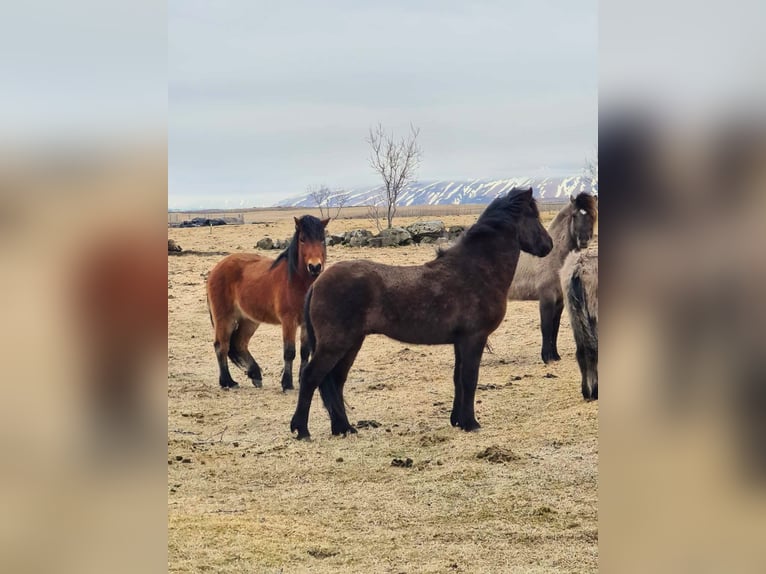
(289, 327)
(548, 314)
(558, 309)
(313, 375)
(305, 350)
(457, 402)
(470, 358)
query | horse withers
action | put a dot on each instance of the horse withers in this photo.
(457, 299)
(579, 283)
(538, 279)
(246, 289)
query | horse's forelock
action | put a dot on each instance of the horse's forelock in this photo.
(311, 228)
(587, 202)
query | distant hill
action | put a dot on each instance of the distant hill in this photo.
(459, 192)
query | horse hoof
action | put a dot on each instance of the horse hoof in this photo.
(453, 420)
(471, 426)
(257, 383)
(287, 388)
(549, 357)
(350, 430)
(303, 435)
(229, 385)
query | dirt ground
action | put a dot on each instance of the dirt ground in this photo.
(519, 495)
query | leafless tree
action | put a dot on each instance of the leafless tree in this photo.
(328, 201)
(320, 196)
(338, 202)
(396, 161)
(375, 212)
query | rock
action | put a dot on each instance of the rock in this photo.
(280, 244)
(455, 231)
(394, 236)
(173, 247)
(357, 237)
(265, 243)
(375, 242)
(427, 239)
(334, 239)
(421, 229)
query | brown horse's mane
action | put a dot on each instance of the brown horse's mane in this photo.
(312, 230)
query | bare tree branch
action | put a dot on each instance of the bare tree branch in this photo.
(396, 161)
(320, 196)
(339, 201)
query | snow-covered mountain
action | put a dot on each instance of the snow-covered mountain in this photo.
(457, 192)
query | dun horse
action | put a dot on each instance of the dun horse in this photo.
(571, 229)
(245, 290)
(579, 283)
(457, 299)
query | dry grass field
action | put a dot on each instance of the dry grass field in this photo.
(520, 495)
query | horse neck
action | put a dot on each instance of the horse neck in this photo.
(563, 243)
(494, 263)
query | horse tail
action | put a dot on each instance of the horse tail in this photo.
(311, 335)
(209, 312)
(584, 324)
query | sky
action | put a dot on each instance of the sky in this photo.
(268, 98)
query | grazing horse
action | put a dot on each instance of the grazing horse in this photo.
(245, 290)
(579, 283)
(538, 279)
(457, 299)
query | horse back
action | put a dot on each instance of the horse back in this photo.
(417, 304)
(244, 284)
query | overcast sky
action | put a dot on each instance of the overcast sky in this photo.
(267, 98)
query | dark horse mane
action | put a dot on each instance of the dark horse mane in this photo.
(312, 230)
(498, 216)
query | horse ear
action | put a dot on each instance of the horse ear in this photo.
(297, 223)
(572, 199)
(324, 222)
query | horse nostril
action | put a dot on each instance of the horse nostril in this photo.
(315, 269)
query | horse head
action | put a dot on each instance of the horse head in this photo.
(533, 238)
(312, 252)
(583, 218)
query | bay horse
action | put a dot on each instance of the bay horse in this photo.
(457, 299)
(579, 283)
(246, 289)
(538, 278)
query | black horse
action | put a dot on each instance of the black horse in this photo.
(457, 299)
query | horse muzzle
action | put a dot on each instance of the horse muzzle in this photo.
(314, 270)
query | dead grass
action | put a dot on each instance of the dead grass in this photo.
(253, 499)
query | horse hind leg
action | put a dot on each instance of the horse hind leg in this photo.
(223, 333)
(240, 354)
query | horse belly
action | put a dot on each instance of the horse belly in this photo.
(259, 303)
